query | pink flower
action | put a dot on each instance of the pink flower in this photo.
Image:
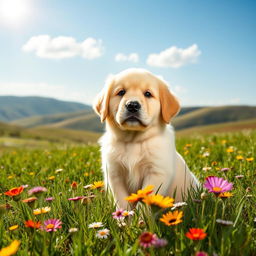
(37, 190)
(217, 185)
(147, 239)
(52, 225)
(49, 199)
(118, 214)
(75, 198)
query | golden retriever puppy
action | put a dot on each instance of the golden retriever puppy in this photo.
(138, 147)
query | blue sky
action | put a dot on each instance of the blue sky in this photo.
(204, 49)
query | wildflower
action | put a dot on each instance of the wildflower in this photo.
(206, 154)
(171, 219)
(196, 234)
(41, 210)
(37, 190)
(127, 213)
(147, 239)
(96, 225)
(59, 170)
(239, 176)
(225, 195)
(103, 233)
(224, 169)
(14, 191)
(74, 185)
(14, 227)
(97, 184)
(207, 169)
(239, 157)
(249, 159)
(75, 198)
(29, 200)
(142, 193)
(217, 185)
(201, 254)
(11, 249)
(178, 205)
(159, 200)
(73, 230)
(118, 214)
(52, 225)
(224, 222)
(88, 186)
(87, 199)
(160, 243)
(214, 163)
(32, 224)
(51, 178)
(230, 149)
(49, 199)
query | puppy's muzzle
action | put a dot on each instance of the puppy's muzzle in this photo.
(133, 106)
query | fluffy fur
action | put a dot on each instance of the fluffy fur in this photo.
(138, 149)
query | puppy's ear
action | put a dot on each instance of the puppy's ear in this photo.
(101, 102)
(170, 105)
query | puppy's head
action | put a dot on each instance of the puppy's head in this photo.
(135, 99)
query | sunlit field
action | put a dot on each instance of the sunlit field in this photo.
(61, 219)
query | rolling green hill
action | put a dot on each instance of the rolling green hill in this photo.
(13, 108)
(214, 115)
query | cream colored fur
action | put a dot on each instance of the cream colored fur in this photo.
(137, 154)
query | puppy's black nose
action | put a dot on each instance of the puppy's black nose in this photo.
(133, 106)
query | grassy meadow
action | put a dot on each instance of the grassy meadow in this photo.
(65, 171)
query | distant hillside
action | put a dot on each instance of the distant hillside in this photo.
(13, 108)
(214, 115)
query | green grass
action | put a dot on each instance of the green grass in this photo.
(82, 164)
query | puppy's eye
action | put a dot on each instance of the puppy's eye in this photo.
(121, 93)
(147, 94)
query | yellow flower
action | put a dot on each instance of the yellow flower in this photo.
(223, 142)
(41, 210)
(225, 195)
(13, 227)
(171, 219)
(159, 200)
(230, 150)
(10, 176)
(11, 249)
(97, 184)
(249, 159)
(142, 193)
(51, 178)
(31, 173)
(239, 157)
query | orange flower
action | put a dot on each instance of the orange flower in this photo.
(14, 191)
(159, 200)
(225, 195)
(171, 219)
(249, 159)
(142, 193)
(32, 224)
(196, 234)
(74, 184)
(29, 200)
(97, 184)
(11, 249)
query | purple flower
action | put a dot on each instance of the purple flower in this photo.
(52, 225)
(160, 243)
(75, 198)
(201, 254)
(217, 185)
(118, 214)
(37, 190)
(225, 169)
(49, 199)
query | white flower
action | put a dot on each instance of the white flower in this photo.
(207, 169)
(88, 186)
(95, 225)
(73, 230)
(103, 233)
(127, 213)
(59, 170)
(225, 222)
(206, 154)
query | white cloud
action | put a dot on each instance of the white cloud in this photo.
(42, 89)
(235, 101)
(133, 57)
(174, 57)
(62, 47)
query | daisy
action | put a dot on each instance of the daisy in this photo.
(32, 224)
(75, 198)
(41, 210)
(249, 159)
(49, 199)
(96, 225)
(128, 213)
(172, 218)
(224, 169)
(52, 225)
(73, 230)
(11, 249)
(37, 190)
(14, 191)
(159, 200)
(29, 200)
(225, 195)
(103, 233)
(178, 205)
(14, 227)
(142, 193)
(196, 234)
(147, 239)
(217, 185)
(97, 184)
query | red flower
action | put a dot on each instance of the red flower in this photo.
(196, 234)
(14, 191)
(32, 224)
